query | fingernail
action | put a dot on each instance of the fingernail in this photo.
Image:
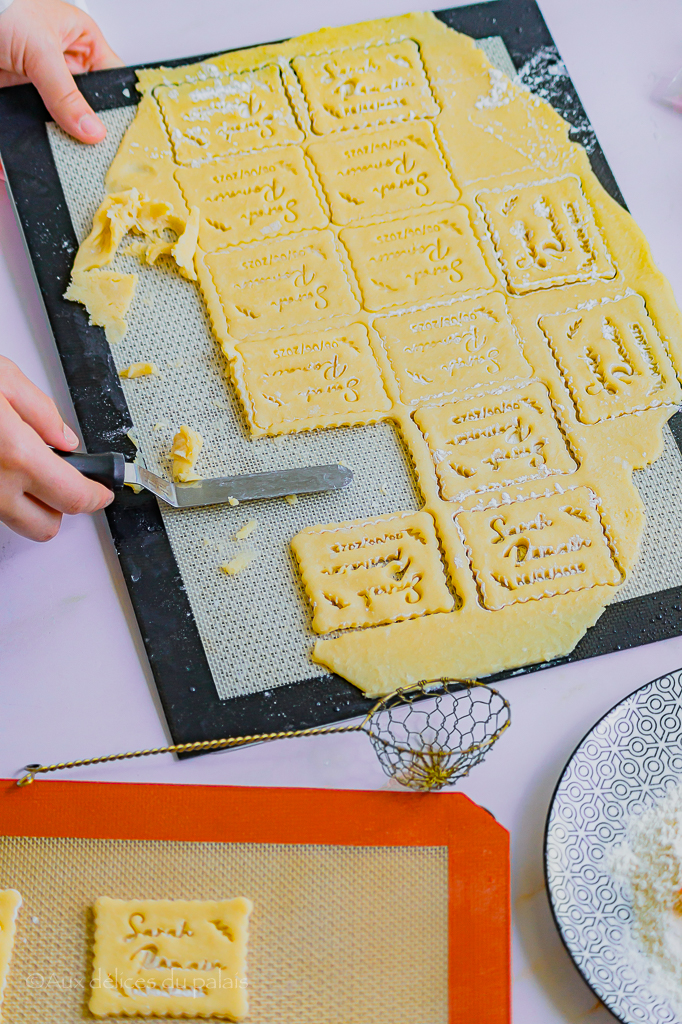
(90, 125)
(70, 437)
(108, 501)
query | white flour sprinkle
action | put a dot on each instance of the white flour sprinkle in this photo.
(648, 864)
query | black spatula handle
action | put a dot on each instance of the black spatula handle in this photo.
(106, 468)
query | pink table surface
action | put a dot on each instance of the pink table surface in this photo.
(74, 679)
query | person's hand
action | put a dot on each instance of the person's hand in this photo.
(47, 42)
(36, 486)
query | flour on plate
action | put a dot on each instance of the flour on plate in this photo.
(648, 863)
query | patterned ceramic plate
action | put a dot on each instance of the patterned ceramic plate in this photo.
(626, 763)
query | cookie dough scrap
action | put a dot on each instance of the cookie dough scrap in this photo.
(280, 284)
(372, 571)
(467, 344)
(405, 262)
(185, 451)
(10, 902)
(304, 381)
(538, 548)
(386, 172)
(107, 297)
(170, 958)
(139, 370)
(248, 198)
(488, 443)
(368, 86)
(227, 114)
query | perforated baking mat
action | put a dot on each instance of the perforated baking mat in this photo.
(220, 667)
(369, 908)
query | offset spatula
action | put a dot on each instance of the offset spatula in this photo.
(112, 470)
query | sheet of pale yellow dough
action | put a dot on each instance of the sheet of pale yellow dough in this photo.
(388, 228)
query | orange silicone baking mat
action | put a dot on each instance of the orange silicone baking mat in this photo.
(368, 907)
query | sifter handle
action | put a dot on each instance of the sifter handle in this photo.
(107, 468)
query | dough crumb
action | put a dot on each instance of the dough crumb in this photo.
(246, 530)
(238, 563)
(291, 498)
(139, 370)
(131, 437)
(233, 501)
(185, 450)
(160, 425)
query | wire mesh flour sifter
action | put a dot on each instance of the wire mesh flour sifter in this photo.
(422, 748)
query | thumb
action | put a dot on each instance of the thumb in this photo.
(62, 97)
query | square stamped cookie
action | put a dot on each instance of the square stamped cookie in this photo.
(494, 441)
(388, 172)
(612, 359)
(450, 349)
(372, 571)
(227, 114)
(422, 257)
(305, 381)
(279, 284)
(545, 235)
(528, 550)
(371, 85)
(170, 958)
(252, 197)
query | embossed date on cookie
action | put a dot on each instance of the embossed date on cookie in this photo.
(372, 571)
(277, 284)
(368, 86)
(484, 444)
(545, 235)
(450, 349)
(426, 256)
(391, 171)
(326, 379)
(252, 197)
(533, 549)
(170, 958)
(612, 359)
(228, 114)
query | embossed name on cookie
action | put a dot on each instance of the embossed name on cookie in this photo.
(373, 571)
(531, 549)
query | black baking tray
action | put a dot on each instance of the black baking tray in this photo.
(190, 701)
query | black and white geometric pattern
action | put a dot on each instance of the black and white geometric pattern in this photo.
(627, 763)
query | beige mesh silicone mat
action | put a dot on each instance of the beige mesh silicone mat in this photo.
(338, 935)
(168, 325)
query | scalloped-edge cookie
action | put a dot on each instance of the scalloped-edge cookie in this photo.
(170, 958)
(537, 548)
(370, 571)
(305, 381)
